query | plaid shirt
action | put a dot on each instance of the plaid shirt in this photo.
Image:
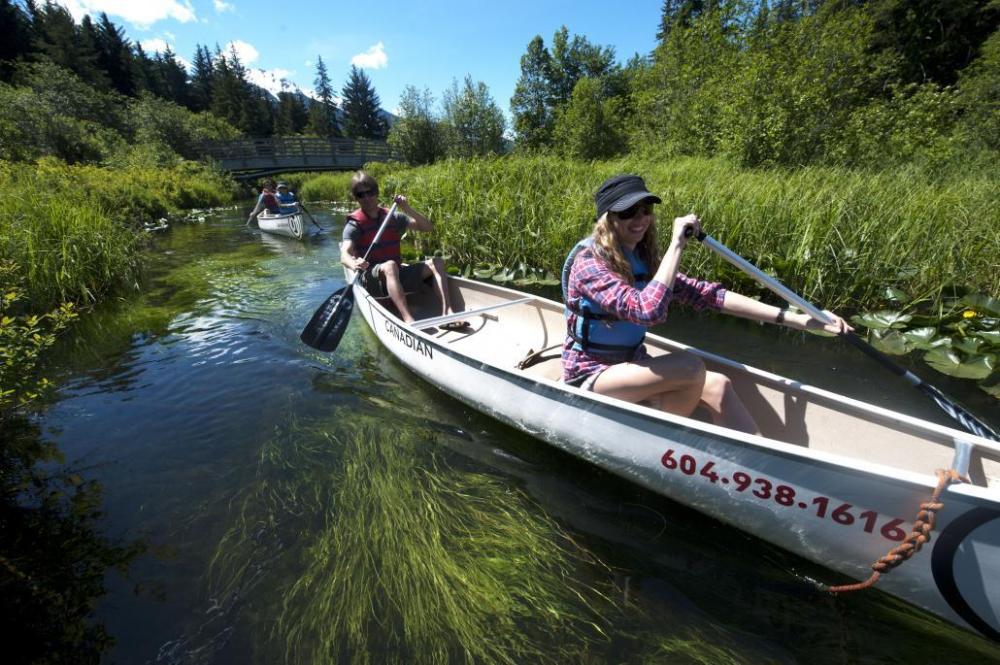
(590, 277)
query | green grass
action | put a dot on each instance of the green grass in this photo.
(839, 237)
(76, 231)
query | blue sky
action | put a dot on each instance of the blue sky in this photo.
(425, 43)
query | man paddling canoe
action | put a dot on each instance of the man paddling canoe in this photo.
(384, 273)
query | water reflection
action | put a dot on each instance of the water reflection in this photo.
(54, 553)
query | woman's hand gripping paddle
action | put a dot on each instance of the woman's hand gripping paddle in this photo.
(955, 411)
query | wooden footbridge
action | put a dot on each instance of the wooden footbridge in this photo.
(252, 158)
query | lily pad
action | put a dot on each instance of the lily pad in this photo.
(892, 342)
(991, 386)
(882, 320)
(981, 303)
(970, 345)
(991, 337)
(950, 362)
(893, 294)
(925, 338)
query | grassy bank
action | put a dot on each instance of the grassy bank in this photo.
(75, 231)
(839, 237)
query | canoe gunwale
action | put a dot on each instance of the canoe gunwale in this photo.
(828, 459)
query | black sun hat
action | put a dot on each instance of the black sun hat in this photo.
(620, 192)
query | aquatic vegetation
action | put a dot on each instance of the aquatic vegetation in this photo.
(835, 235)
(960, 338)
(75, 231)
(409, 559)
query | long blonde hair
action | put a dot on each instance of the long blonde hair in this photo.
(608, 246)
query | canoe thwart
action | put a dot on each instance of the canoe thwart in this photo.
(458, 316)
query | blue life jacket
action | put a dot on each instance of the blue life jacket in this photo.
(287, 201)
(592, 329)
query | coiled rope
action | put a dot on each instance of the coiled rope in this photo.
(921, 533)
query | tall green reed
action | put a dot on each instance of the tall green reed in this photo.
(76, 231)
(838, 236)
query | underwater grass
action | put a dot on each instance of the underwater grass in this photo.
(359, 543)
(839, 237)
(413, 560)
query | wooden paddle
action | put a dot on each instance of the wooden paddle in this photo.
(328, 323)
(955, 411)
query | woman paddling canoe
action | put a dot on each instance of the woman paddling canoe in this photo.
(611, 298)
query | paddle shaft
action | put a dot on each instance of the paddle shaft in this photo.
(311, 218)
(956, 412)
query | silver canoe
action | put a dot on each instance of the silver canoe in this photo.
(832, 479)
(291, 225)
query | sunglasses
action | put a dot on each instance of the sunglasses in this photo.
(632, 211)
(365, 193)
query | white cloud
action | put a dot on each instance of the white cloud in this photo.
(221, 6)
(156, 45)
(373, 58)
(141, 14)
(246, 52)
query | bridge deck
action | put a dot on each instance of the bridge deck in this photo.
(254, 157)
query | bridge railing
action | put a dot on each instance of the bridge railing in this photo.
(294, 152)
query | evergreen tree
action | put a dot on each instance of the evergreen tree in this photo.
(934, 38)
(202, 78)
(531, 104)
(16, 45)
(680, 13)
(417, 136)
(88, 65)
(323, 111)
(145, 73)
(291, 116)
(361, 107)
(473, 122)
(114, 53)
(58, 40)
(173, 77)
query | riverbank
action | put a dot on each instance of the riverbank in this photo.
(71, 236)
(837, 236)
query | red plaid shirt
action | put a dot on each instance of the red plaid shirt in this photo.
(592, 278)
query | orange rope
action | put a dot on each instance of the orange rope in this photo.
(922, 527)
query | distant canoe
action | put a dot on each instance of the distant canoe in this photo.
(832, 479)
(292, 225)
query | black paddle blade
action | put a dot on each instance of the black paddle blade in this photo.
(328, 323)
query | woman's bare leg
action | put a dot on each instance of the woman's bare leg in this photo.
(674, 382)
(725, 405)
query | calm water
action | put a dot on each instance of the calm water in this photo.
(314, 508)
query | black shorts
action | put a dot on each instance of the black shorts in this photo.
(410, 276)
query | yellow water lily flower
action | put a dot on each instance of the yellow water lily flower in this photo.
(968, 314)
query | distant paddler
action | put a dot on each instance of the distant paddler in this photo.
(288, 204)
(266, 201)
